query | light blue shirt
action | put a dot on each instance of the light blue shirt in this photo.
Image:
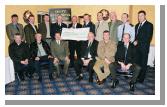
(128, 29)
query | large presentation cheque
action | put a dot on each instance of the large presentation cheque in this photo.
(74, 34)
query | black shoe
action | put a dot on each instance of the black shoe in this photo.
(140, 80)
(40, 79)
(114, 83)
(90, 80)
(22, 79)
(79, 78)
(51, 77)
(132, 86)
(29, 75)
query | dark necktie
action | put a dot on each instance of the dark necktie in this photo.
(126, 50)
(140, 25)
(17, 28)
(123, 31)
(88, 49)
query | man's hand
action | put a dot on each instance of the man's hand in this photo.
(56, 60)
(135, 43)
(26, 61)
(22, 62)
(128, 66)
(50, 56)
(123, 67)
(67, 58)
(37, 58)
(107, 61)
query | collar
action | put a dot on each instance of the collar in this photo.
(143, 22)
(126, 44)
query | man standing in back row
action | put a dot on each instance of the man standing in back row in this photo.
(13, 28)
(113, 25)
(144, 33)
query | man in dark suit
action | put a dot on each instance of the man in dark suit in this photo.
(88, 57)
(88, 23)
(73, 44)
(40, 53)
(19, 52)
(13, 28)
(144, 33)
(125, 61)
(44, 29)
(30, 30)
(57, 27)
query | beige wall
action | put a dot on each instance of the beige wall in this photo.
(76, 10)
(150, 14)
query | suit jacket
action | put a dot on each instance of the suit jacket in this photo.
(30, 33)
(59, 51)
(93, 49)
(91, 25)
(130, 56)
(11, 31)
(100, 28)
(43, 30)
(73, 44)
(34, 49)
(113, 30)
(78, 25)
(106, 50)
(144, 35)
(56, 28)
(19, 52)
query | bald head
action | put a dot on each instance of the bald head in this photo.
(74, 19)
(113, 16)
(91, 36)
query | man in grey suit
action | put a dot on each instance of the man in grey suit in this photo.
(13, 28)
(44, 29)
(113, 25)
(60, 52)
(100, 26)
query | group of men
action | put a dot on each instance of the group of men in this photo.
(111, 46)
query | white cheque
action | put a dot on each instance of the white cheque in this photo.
(74, 34)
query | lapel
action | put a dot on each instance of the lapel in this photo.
(77, 26)
(44, 25)
(32, 27)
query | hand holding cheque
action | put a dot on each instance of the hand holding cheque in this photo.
(75, 34)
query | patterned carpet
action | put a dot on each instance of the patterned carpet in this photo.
(68, 86)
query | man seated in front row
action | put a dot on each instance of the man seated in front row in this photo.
(88, 55)
(60, 52)
(19, 52)
(125, 59)
(105, 51)
(41, 53)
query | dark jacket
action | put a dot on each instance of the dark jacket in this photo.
(93, 49)
(30, 33)
(131, 53)
(144, 35)
(56, 28)
(34, 49)
(78, 25)
(19, 52)
(43, 30)
(91, 25)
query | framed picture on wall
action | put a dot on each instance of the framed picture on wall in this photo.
(65, 12)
